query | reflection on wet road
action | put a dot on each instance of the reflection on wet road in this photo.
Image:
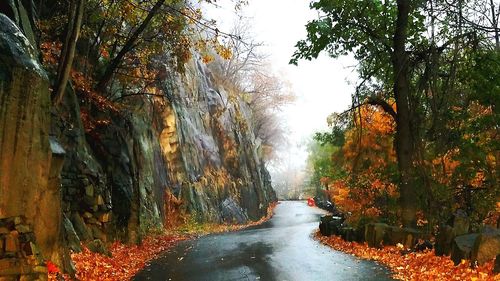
(280, 249)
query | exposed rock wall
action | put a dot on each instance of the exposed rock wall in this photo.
(85, 173)
(114, 176)
(159, 162)
(29, 169)
(213, 157)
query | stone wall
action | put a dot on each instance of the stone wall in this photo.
(19, 253)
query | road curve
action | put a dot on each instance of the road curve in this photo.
(281, 249)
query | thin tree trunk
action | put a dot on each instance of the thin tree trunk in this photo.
(115, 62)
(404, 146)
(495, 24)
(68, 52)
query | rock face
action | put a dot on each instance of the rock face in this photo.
(28, 167)
(19, 254)
(211, 152)
(159, 163)
(486, 246)
(462, 247)
(95, 174)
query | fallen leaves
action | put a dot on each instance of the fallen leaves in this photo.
(128, 260)
(125, 262)
(52, 268)
(413, 266)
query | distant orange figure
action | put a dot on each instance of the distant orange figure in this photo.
(310, 201)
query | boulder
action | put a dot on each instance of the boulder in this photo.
(462, 247)
(23, 228)
(81, 229)
(323, 228)
(232, 212)
(348, 234)
(330, 225)
(408, 237)
(423, 245)
(71, 237)
(486, 246)
(98, 233)
(360, 234)
(444, 240)
(461, 223)
(335, 225)
(374, 233)
(11, 243)
(97, 246)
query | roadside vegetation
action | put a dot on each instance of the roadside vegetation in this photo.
(419, 148)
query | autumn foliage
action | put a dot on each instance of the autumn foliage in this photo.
(362, 178)
(364, 187)
(126, 261)
(413, 266)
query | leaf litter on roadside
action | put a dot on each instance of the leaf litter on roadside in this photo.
(413, 266)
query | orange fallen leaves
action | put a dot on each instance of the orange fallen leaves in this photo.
(413, 266)
(128, 260)
(125, 262)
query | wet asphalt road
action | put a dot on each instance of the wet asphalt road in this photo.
(280, 249)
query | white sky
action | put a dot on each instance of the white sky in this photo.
(320, 85)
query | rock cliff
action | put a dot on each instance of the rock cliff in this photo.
(95, 174)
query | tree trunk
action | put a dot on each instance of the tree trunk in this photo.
(494, 19)
(404, 146)
(75, 17)
(127, 47)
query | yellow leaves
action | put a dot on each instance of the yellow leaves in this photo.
(209, 48)
(104, 53)
(84, 87)
(371, 140)
(223, 51)
(444, 166)
(478, 180)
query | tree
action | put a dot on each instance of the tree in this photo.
(128, 45)
(374, 31)
(247, 73)
(75, 16)
(418, 54)
(357, 168)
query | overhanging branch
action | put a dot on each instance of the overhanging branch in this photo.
(383, 104)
